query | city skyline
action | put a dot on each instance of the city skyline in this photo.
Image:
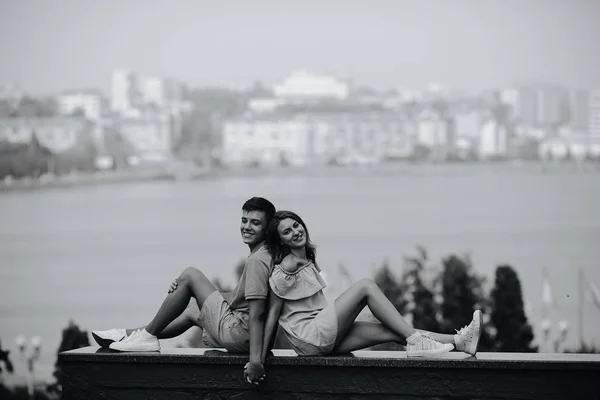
(466, 44)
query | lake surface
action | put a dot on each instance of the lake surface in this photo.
(104, 255)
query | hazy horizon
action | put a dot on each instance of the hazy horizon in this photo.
(48, 47)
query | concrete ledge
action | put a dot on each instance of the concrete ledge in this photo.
(92, 373)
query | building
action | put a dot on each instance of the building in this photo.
(161, 92)
(552, 105)
(149, 135)
(579, 107)
(537, 104)
(303, 85)
(436, 133)
(493, 141)
(315, 138)
(124, 90)
(594, 113)
(57, 134)
(90, 103)
(264, 140)
(575, 147)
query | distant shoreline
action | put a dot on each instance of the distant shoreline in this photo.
(163, 174)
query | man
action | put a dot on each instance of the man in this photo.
(237, 326)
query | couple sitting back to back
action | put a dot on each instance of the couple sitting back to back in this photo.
(282, 266)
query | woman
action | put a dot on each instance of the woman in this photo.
(314, 327)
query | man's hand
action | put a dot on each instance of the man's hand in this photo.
(173, 286)
(254, 373)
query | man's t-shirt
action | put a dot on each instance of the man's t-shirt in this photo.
(254, 282)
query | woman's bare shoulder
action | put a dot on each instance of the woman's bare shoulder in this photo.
(291, 263)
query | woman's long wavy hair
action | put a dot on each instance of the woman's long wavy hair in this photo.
(277, 249)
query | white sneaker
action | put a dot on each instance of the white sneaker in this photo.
(467, 338)
(419, 345)
(105, 338)
(137, 341)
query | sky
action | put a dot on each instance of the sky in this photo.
(49, 46)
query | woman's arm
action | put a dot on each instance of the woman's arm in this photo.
(275, 304)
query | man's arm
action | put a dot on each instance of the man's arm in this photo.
(255, 369)
(275, 304)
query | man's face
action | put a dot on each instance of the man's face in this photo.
(253, 227)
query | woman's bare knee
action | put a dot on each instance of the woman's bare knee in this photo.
(366, 286)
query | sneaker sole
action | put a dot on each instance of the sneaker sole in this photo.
(101, 341)
(430, 353)
(136, 349)
(473, 348)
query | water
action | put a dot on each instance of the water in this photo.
(104, 256)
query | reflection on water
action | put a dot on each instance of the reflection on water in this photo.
(104, 256)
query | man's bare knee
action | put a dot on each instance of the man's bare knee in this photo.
(190, 274)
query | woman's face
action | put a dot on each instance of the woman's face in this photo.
(292, 233)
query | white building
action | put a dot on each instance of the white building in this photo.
(124, 90)
(303, 84)
(432, 130)
(579, 101)
(577, 147)
(595, 112)
(150, 137)
(264, 140)
(57, 134)
(493, 140)
(316, 138)
(89, 102)
(161, 92)
(537, 104)
(264, 104)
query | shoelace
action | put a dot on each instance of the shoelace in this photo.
(133, 335)
(466, 330)
(429, 343)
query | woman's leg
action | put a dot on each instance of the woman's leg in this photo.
(191, 283)
(365, 292)
(366, 334)
(440, 337)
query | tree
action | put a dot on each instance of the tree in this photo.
(389, 286)
(72, 338)
(385, 279)
(37, 157)
(460, 291)
(6, 109)
(420, 297)
(584, 349)
(5, 359)
(513, 332)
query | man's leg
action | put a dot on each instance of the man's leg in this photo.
(192, 283)
(179, 326)
(182, 323)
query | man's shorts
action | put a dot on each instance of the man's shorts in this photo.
(223, 327)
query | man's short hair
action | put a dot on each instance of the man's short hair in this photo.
(260, 204)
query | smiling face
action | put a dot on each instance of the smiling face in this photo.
(292, 233)
(253, 227)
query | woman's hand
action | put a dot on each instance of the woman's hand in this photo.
(173, 286)
(254, 373)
